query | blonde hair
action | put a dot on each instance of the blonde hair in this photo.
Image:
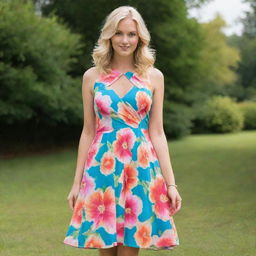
(144, 55)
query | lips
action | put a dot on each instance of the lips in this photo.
(124, 47)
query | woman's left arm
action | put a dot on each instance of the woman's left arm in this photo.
(157, 135)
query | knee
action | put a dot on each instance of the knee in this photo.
(127, 251)
(108, 251)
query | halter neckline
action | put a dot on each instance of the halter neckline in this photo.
(119, 72)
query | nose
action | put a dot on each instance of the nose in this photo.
(124, 39)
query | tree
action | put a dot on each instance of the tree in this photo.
(219, 59)
(36, 58)
(249, 21)
(246, 43)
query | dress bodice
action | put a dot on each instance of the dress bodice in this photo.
(114, 111)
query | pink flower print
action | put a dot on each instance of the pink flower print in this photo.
(87, 184)
(143, 102)
(143, 155)
(71, 241)
(146, 134)
(166, 239)
(120, 229)
(103, 103)
(158, 195)
(123, 145)
(173, 225)
(100, 208)
(109, 78)
(77, 213)
(128, 178)
(103, 125)
(94, 241)
(143, 235)
(128, 114)
(137, 81)
(92, 151)
(107, 163)
(133, 208)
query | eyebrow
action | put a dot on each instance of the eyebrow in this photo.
(129, 32)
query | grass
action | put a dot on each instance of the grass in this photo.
(216, 179)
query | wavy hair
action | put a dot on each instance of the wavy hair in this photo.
(144, 55)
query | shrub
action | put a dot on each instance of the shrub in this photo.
(222, 114)
(177, 120)
(248, 109)
(36, 54)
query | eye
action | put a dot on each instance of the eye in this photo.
(118, 33)
(133, 34)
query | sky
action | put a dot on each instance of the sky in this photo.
(230, 10)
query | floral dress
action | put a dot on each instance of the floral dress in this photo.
(123, 196)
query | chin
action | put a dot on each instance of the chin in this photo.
(125, 53)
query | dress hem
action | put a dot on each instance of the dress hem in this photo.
(171, 247)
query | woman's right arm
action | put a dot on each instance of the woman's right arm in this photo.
(88, 132)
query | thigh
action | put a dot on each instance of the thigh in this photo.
(108, 251)
(127, 251)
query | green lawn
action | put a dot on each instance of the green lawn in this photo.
(216, 175)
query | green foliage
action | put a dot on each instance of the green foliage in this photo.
(218, 59)
(247, 66)
(177, 120)
(248, 109)
(245, 87)
(247, 47)
(221, 115)
(36, 55)
(249, 21)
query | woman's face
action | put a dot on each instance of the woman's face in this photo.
(126, 38)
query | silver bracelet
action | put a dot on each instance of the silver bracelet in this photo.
(168, 185)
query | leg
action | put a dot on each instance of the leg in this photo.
(108, 251)
(127, 251)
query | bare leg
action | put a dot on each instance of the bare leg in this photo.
(108, 251)
(127, 251)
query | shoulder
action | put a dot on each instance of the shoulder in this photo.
(90, 76)
(91, 73)
(156, 77)
(155, 73)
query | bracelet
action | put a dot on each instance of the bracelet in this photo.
(172, 185)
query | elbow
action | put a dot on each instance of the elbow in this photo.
(88, 131)
(159, 132)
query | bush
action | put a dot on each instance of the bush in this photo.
(177, 120)
(36, 54)
(221, 114)
(248, 109)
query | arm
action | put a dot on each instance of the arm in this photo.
(159, 141)
(156, 130)
(88, 131)
(87, 135)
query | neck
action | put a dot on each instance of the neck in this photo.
(122, 63)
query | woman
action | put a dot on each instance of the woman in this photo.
(124, 193)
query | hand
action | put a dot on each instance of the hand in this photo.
(72, 196)
(175, 198)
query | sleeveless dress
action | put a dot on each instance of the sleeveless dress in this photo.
(123, 196)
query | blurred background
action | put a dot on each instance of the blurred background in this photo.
(206, 50)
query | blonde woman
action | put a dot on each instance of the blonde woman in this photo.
(124, 193)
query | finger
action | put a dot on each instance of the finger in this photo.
(173, 211)
(178, 205)
(173, 203)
